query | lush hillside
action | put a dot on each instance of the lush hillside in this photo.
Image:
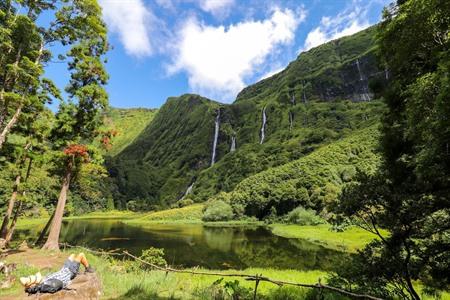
(339, 69)
(159, 165)
(312, 181)
(316, 100)
(128, 124)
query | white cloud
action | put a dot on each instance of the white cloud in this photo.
(347, 22)
(131, 21)
(218, 59)
(216, 7)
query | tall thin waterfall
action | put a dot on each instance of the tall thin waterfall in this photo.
(263, 127)
(293, 98)
(216, 136)
(291, 120)
(386, 73)
(359, 70)
(188, 190)
(233, 144)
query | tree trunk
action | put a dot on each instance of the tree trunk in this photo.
(12, 227)
(10, 124)
(44, 231)
(52, 242)
(10, 233)
(12, 200)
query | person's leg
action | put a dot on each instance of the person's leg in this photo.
(81, 258)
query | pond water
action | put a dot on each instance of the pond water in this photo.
(189, 245)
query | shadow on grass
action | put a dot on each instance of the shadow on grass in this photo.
(139, 293)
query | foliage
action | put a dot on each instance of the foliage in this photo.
(127, 124)
(409, 196)
(217, 210)
(224, 290)
(302, 216)
(313, 181)
(154, 256)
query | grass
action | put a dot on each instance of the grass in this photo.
(350, 240)
(122, 282)
(112, 214)
(189, 214)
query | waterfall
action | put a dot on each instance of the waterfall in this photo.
(216, 136)
(359, 70)
(304, 92)
(293, 98)
(188, 190)
(233, 144)
(291, 120)
(263, 127)
(386, 73)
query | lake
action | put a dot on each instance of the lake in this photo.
(189, 245)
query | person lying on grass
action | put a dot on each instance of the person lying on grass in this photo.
(58, 280)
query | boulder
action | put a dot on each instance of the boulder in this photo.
(85, 286)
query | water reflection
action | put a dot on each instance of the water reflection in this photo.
(198, 245)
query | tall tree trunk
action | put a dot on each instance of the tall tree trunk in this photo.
(12, 200)
(52, 242)
(10, 124)
(44, 231)
(10, 233)
(18, 211)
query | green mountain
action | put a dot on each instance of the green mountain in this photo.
(128, 124)
(319, 98)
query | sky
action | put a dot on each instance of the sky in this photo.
(215, 48)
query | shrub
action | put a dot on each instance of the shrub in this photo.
(217, 210)
(302, 216)
(185, 202)
(154, 256)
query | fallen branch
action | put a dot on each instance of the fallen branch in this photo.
(258, 278)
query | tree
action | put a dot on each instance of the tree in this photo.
(22, 57)
(410, 195)
(78, 119)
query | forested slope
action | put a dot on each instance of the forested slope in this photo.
(319, 98)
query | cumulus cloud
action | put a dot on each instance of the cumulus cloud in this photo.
(347, 22)
(216, 7)
(218, 59)
(130, 20)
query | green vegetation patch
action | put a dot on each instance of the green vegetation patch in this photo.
(351, 239)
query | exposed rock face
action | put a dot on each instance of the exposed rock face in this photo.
(85, 286)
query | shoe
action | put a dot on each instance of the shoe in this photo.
(89, 269)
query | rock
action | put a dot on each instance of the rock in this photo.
(85, 286)
(8, 282)
(24, 246)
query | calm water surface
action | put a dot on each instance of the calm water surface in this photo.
(191, 245)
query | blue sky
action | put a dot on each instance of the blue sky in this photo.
(164, 48)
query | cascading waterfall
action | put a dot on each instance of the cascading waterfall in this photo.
(188, 190)
(365, 94)
(291, 120)
(386, 73)
(293, 99)
(263, 127)
(359, 70)
(233, 144)
(216, 136)
(304, 92)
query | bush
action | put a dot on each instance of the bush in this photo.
(154, 256)
(302, 216)
(185, 202)
(217, 210)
